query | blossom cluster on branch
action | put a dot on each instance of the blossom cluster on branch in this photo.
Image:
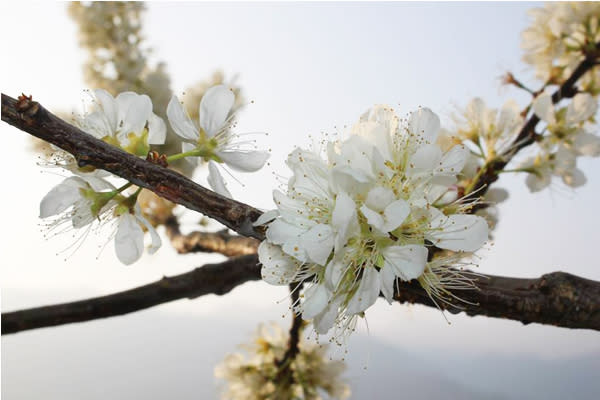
(264, 374)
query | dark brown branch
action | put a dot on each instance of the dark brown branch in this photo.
(209, 279)
(527, 135)
(296, 328)
(34, 119)
(209, 242)
(557, 298)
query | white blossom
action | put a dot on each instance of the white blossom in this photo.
(354, 223)
(259, 376)
(212, 139)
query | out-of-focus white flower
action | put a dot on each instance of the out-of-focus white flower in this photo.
(260, 376)
(491, 130)
(558, 37)
(213, 139)
(126, 121)
(355, 223)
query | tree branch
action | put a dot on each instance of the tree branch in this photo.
(209, 242)
(557, 298)
(34, 119)
(209, 279)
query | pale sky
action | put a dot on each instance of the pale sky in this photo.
(309, 68)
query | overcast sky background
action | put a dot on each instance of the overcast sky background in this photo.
(308, 68)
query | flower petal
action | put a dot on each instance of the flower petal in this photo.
(574, 178)
(277, 268)
(344, 219)
(424, 123)
(215, 180)
(324, 321)
(407, 262)
(133, 110)
(62, 196)
(109, 108)
(367, 292)
(316, 298)
(373, 218)
(157, 130)
(318, 242)
(388, 278)
(156, 242)
(129, 239)
(214, 108)
(458, 232)
(582, 107)
(244, 161)
(395, 214)
(180, 121)
(379, 198)
(266, 217)
(544, 109)
(587, 144)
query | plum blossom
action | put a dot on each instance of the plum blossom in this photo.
(352, 224)
(560, 34)
(126, 121)
(81, 201)
(568, 138)
(212, 139)
(491, 131)
(259, 376)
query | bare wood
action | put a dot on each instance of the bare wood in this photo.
(209, 242)
(557, 298)
(34, 119)
(209, 279)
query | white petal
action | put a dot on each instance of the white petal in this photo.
(453, 161)
(334, 272)
(535, 182)
(407, 262)
(109, 108)
(367, 292)
(156, 242)
(544, 109)
(425, 159)
(277, 268)
(574, 178)
(344, 219)
(425, 123)
(214, 108)
(62, 196)
(180, 121)
(373, 218)
(244, 161)
(388, 278)
(215, 180)
(157, 130)
(459, 232)
(324, 321)
(98, 125)
(134, 110)
(316, 298)
(587, 144)
(281, 231)
(318, 243)
(379, 198)
(266, 217)
(582, 107)
(395, 214)
(129, 239)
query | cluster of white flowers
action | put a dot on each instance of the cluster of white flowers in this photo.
(558, 38)
(568, 137)
(308, 376)
(129, 123)
(353, 224)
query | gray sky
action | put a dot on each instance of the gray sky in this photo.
(309, 68)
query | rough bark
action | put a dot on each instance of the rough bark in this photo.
(209, 242)
(557, 298)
